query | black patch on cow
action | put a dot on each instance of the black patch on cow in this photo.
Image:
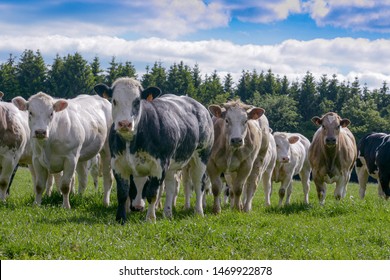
(359, 163)
(116, 142)
(383, 162)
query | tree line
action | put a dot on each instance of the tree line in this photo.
(289, 105)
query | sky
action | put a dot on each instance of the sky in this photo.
(349, 38)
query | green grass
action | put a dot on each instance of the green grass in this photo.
(350, 229)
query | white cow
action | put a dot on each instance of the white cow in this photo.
(94, 167)
(65, 134)
(292, 159)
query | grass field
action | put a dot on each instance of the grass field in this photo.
(347, 230)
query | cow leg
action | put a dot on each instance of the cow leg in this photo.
(170, 192)
(139, 203)
(66, 180)
(105, 158)
(251, 184)
(11, 179)
(384, 179)
(123, 188)
(49, 185)
(177, 188)
(5, 178)
(362, 174)
(380, 190)
(305, 179)
(197, 172)
(321, 191)
(187, 184)
(159, 195)
(341, 186)
(289, 191)
(216, 185)
(284, 185)
(151, 191)
(82, 172)
(41, 175)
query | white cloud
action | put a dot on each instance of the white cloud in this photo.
(263, 11)
(366, 15)
(346, 57)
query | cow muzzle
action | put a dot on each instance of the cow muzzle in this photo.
(40, 134)
(330, 141)
(125, 126)
(236, 142)
(285, 159)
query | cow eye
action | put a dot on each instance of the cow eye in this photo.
(226, 121)
(114, 102)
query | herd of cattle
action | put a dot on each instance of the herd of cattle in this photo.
(149, 141)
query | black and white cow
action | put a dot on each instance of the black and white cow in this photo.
(151, 139)
(374, 160)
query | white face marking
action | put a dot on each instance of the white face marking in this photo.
(331, 118)
(126, 107)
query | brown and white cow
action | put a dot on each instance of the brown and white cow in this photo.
(14, 139)
(332, 154)
(240, 151)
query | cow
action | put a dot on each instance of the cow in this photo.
(292, 159)
(95, 169)
(151, 139)
(240, 152)
(332, 154)
(14, 139)
(65, 134)
(371, 149)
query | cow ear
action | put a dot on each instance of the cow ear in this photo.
(150, 93)
(345, 122)
(255, 113)
(216, 111)
(316, 120)
(293, 139)
(20, 103)
(103, 90)
(60, 105)
(1, 95)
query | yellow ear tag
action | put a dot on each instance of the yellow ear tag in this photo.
(150, 97)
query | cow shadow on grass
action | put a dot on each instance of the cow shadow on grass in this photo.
(293, 208)
(90, 210)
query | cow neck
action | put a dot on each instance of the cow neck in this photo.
(330, 158)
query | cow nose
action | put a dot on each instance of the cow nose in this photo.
(40, 133)
(125, 124)
(330, 141)
(236, 141)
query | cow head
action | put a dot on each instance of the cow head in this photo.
(126, 95)
(41, 108)
(330, 124)
(236, 116)
(283, 142)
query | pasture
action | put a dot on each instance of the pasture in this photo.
(347, 230)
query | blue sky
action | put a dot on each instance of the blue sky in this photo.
(349, 38)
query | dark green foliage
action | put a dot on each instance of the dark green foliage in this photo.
(289, 105)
